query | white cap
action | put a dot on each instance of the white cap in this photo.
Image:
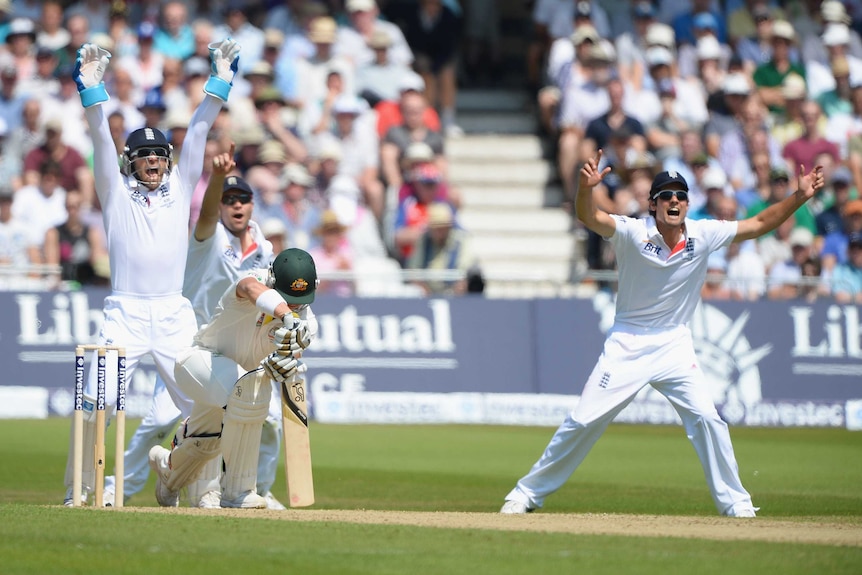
(801, 237)
(658, 55)
(273, 227)
(411, 82)
(714, 178)
(793, 87)
(343, 185)
(708, 48)
(834, 11)
(347, 104)
(836, 34)
(297, 174)
(418, 152)
(659, 34)
(736, 83)
(783, 29)
(360, 5)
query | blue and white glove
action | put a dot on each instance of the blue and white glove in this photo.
(89, 74)
(224, 61)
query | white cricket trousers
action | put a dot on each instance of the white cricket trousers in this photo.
(631, 359)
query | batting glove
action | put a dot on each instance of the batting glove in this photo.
(281, 367)
(89, 74)
(224, 61)
(285, 342)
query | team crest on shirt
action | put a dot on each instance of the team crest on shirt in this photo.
(689, 250)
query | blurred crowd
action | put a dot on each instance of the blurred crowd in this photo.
(339, 115)
(735, 96)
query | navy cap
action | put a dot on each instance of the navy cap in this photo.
(153, 99)
(667, 180)
(583, 9)
(236, 183)
(146, 30)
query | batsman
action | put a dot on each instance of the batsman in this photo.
(262, 325)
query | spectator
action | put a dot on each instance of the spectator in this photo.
(715, 286)
(285, 16)
(686, 23)
(175, 38)
(237, 26)
(724, 117)
(632, 45)
(411, 219)
(295, 211)
(95, 11)
(443, 246)
(789, 125)
(360, 150)
(750, 31)
(78, 249)
(847, 277)
(399, 138)
(599, 130)
(73, 173)
(785, 277)
(838, 191)
(779, 189)
(332, 254)
(79, 34)
(42, 205)
(380, 80)
(483, 45)
(775, 247)
(11, 102)
(20, 46)
(51, 35)
(389, 111)
(717, 195)
(271, 115)
(153, 109)
(121, 32)
(805, 149)
(17, 143)
(706, 47)
(811, 285)
(812, 26)
(352, 41)
(275, 233)
(746, 272)
(834, 249)
(43, 83)
(769, 76)
(18, 244)
(363, 233)
(821, 79)
(433, 32)
(751, 136)
(144, 68)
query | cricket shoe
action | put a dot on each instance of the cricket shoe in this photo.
(210, 500)
(108, 498)
(515, 508)
(247, 500)
(68, 501)
(160, 463)
(273, 503)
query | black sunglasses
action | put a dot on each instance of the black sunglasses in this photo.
(230, 199)
(147, 152)
(666, 195)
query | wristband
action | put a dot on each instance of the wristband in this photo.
(93, 95)
(268, 301)
(217, 87)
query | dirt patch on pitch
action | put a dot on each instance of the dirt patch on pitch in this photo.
(809, 530)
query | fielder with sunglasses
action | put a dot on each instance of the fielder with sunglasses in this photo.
(145, 207)
(662, 263)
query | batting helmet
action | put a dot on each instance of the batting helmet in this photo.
(294, 276)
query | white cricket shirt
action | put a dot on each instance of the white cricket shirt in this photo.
(148, 231)
(216, 263)
(659, 285)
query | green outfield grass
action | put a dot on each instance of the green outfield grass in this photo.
(810, 475)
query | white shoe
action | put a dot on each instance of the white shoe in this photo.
(108, 498)
(273, 503)
(247, 500)
(160, 463)
(749, 512)
(68, 500)
(210, 500)
(515, 508)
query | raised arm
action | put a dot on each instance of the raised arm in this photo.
(223, 164)
(89, 75)
(771, 217)
(224, 59)
(590, 215)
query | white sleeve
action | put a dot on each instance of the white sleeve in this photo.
(106, 167)
(191, 163)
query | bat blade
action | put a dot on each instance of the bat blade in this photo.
(297, 444)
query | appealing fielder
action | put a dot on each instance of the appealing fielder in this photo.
(145, 208)
(662, 262)
(261, 326)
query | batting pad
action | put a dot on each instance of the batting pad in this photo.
(247, 408)
(209, 479)
(188, 458)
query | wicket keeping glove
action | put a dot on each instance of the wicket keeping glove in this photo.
(224, 61)
(89, 74)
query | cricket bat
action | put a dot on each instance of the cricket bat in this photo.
(297, 447)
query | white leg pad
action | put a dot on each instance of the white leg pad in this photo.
(89, 442)
(246, 411)
(189, 455)
(209, 479)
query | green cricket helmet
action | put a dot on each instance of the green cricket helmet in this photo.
(295, 276)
